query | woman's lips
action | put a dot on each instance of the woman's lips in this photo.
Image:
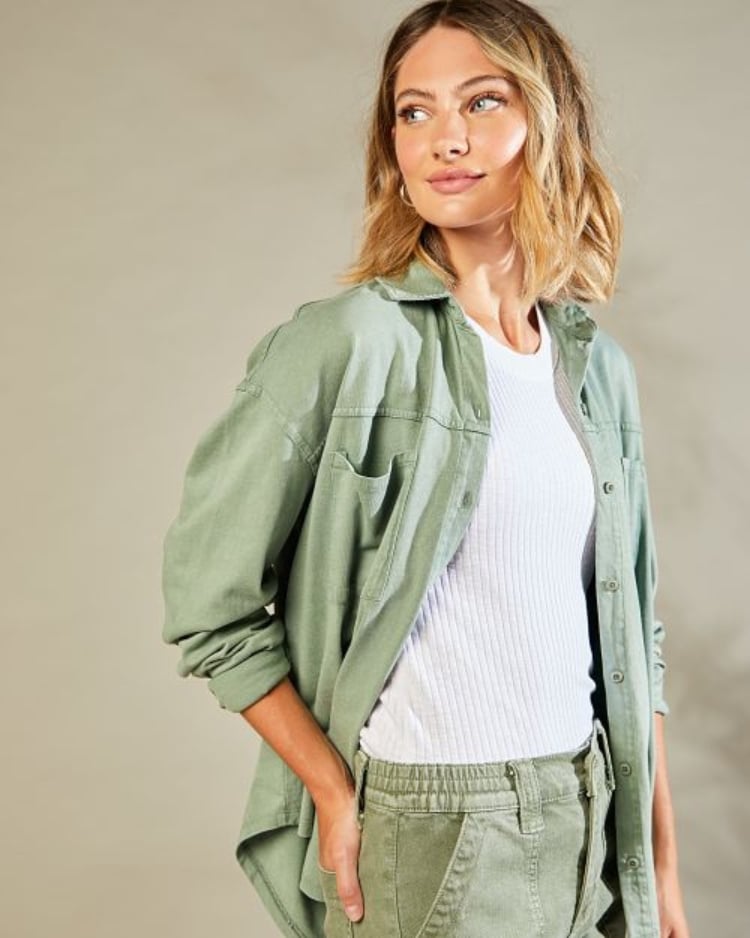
(455, 185)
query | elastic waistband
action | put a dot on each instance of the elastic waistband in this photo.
(483, 785)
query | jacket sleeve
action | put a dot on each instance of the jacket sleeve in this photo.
(647, 571)
(245, 488)
(658, 628)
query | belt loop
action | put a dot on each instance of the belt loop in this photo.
(588, 765)
(361, 760)
(526, 784)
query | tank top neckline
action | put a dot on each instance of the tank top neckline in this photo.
(532, 364)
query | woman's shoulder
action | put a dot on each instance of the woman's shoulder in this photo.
(350, 311)
(301, 363)
(323, 330)
(611, 368)
(607, 353)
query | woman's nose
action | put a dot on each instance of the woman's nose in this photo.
(450, 135)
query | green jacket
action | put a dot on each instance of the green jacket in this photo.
(336, 486)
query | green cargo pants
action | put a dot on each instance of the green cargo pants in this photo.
(516, 849)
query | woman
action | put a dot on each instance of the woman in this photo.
(437, 477)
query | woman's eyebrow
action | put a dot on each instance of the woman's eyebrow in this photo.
(418, 92)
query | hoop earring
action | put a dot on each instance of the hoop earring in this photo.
(402, 193)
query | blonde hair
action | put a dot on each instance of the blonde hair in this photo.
(567, 220)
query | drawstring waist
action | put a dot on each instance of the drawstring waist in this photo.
(509, 784)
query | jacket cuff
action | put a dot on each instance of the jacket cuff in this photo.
(241, 686)
(660, 704)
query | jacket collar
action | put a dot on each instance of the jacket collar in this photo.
(417, 283)
(572, 326)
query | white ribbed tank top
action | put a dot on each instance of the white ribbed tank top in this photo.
(498, 663)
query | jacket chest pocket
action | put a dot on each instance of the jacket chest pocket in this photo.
(366, 513)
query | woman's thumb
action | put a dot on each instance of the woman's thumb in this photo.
(350, 892)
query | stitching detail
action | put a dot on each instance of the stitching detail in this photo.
(257, 390)
(254, 864)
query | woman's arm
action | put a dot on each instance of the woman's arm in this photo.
(245, 488)
(672, 918)
(286, 723)
(664, 839)
(283, 719)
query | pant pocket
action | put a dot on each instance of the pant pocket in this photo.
(436, 854)
(593, 890)
(609, 915)
(336, 923)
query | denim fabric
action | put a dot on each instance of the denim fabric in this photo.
(512, 849)
(322, 503)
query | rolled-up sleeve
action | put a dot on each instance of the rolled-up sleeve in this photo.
(660, 704)
(659, 665)
(245, 489)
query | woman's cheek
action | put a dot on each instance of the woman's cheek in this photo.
(408, 155)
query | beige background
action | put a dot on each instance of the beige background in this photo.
(176, 177)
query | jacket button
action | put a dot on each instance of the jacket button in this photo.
(618, 676)
(609, 486)
(632, 863)
(611, 585)
(625, 768)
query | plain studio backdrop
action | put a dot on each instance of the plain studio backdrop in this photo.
(175, 179)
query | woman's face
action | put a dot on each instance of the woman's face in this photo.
(480, 127)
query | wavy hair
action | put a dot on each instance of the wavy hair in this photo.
(567, 220)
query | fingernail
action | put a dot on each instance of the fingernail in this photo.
(353, 911)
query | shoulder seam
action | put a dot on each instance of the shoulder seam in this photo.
(300, 444)
(271, 339)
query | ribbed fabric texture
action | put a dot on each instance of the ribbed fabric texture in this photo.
(498, 663)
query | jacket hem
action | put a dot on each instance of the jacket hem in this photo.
(268, 895)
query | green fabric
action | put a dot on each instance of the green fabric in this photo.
(335, 487)
(516, 848)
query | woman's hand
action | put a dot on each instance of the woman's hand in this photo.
(338, 847)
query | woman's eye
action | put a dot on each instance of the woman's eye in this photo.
(405, 111)
(491, 95)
